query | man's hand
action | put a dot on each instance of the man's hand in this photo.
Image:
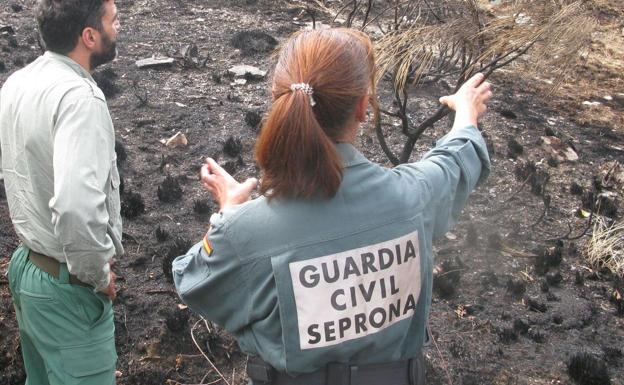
(469, 102)
(111, 290)
(223, 187)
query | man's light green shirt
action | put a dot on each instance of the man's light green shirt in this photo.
(59, 166)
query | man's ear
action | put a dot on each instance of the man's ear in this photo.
(89, 38)
(361, 108)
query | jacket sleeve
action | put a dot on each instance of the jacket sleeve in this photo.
(451, 171)
(83, 145)
(208, 275)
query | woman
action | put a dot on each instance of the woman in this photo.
(327, 276)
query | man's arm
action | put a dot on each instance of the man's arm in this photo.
(83, 144)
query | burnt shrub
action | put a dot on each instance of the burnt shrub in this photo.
(586, 369)
(132, 205)
(169, 190)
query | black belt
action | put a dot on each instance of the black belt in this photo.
(406, 372)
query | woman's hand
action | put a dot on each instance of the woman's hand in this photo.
(469, 102)
(223, 187)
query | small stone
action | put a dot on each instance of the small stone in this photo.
(178, 140)
(155, 62)
(247, 71)
(558, 150)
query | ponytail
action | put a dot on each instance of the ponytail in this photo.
(299, 160)
(320, 77)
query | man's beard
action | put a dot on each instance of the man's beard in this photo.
(109, 52)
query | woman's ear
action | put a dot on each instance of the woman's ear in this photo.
(361, 108)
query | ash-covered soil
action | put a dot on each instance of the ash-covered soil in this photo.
(515, 300)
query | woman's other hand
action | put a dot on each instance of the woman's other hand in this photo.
(223, 187)
(469, 102)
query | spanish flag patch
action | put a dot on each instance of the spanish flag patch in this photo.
(207, 245)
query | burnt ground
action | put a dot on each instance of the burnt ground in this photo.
(513, 303)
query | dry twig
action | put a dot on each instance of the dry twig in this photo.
(222, 377)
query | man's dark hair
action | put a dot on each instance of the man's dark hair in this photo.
(61, 22)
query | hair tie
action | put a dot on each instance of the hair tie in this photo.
(305, 87)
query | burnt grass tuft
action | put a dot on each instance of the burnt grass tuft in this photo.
(576, 189)
(169, 190)
(536, 177)
(617, 296)
(516, 287)
(233, 147)
(177, 319)
(586, 369)
(179, 247)
(521, 326)
(161, 234)
(132, 205)
(508, 335)
(446, 279)
(105, 80)
(253, 119)
(201, 207)
(253, 42)
(514, 148)
(120, 150)
(534, 304)
(554, 278)
(548, 257)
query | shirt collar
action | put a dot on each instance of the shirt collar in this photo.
(350, 155)
(70, 63)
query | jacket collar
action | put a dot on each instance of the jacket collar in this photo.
(77, 68)
(350, 155)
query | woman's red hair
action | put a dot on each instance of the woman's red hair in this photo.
(295, 148)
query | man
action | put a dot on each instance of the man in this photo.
(61, 181)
